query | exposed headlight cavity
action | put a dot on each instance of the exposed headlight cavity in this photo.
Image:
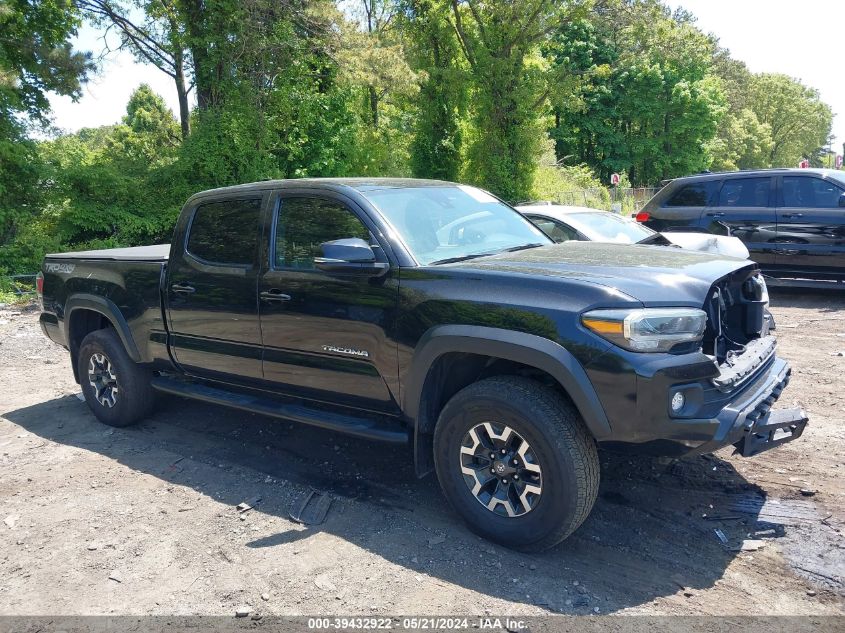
(647, 329)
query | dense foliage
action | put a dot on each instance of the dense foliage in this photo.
(35, 59)
(647, 105)
(527, 98)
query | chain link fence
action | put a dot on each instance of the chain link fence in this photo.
(15, 288)
(630, 199)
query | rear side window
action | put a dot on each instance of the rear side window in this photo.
(225, 232)
(810, 193)
(745, 192)
(303, 224)
(696, 194)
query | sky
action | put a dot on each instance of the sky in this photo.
(105, 95)
(802, 39)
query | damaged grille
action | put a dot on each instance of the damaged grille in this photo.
(736, 315)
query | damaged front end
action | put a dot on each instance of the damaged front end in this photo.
(738, 340)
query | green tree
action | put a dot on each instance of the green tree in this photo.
(375, 56)
(98, 181)
(20, 196)
(800, 122)
(35, 58)
(275, 106)
(646, 103)
(374, 66)
(160, 39)
(149, 130)
(741, 143)
(500, 42)
(434, 51)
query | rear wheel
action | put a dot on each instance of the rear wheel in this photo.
(117, 390)
(516, 462)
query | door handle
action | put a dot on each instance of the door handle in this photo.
(274, 295)
(716, 214)
(793, 215)
(183, 289)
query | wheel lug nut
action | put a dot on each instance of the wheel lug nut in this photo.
(504, 481)
(503, 451)
(492, 455)
(516, 477)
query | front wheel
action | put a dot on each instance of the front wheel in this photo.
(117, 390)
(515, 461)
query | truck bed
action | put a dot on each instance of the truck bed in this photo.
(154, 253)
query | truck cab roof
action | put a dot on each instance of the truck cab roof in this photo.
(336, 184)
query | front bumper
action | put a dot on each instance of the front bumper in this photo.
(723, 408)
(773, 429)
(750, 424)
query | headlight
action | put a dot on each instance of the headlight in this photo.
(647, 329)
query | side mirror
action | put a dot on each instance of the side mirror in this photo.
(351, 255)
(842, 200)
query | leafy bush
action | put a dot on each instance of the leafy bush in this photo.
(553, 183)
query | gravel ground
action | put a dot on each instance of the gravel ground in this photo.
(143, 520)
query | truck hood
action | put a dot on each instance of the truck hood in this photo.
(654, 275)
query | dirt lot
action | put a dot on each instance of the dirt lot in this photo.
(142, 520)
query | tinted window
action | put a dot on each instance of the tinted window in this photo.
(693, 195)
(225, 232)
(811, 193)
(745, 192)
(305, 223)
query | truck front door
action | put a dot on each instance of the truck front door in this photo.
(324, 333)
(211, 289)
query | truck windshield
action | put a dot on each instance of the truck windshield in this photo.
(453, 222)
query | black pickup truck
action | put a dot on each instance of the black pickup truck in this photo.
(432, 314)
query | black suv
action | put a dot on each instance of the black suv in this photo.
(791, 220)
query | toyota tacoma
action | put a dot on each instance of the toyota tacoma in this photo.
(432, 314)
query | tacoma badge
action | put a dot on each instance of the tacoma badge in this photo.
(346, 350)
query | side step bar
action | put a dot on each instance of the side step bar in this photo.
(370, 429)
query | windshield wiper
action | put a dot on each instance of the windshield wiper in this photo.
(513, 249)
(463, 258)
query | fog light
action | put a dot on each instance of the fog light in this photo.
(678, 402)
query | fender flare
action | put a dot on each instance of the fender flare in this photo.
(521, 347)
(108, 309)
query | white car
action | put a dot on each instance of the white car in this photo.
(563, 223)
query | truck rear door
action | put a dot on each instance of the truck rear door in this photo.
(211, 288)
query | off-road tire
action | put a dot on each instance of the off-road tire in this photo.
(134, 398)
(553, 428)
